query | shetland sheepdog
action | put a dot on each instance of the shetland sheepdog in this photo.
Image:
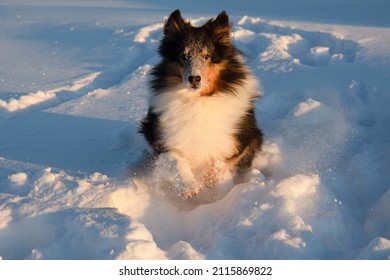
(201, 109)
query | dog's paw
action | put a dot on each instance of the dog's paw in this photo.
(192, 190)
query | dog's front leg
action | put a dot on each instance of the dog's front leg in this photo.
(186, 183)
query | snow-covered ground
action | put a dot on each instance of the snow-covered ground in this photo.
(73, 87)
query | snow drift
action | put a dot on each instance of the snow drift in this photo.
(68, 134)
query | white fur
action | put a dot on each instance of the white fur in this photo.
(201, 128)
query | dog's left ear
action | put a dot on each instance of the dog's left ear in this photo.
(174, 24)
(221, 28)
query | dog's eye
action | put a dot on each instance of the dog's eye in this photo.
(206, 56)
(185, 57)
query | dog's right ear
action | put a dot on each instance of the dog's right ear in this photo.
(174, 24)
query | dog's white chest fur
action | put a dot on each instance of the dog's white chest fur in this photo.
(201, 128)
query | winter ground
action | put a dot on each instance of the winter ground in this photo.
(73, 87)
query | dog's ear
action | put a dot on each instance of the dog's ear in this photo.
(222, 19)
(174, 24)
(221, 28)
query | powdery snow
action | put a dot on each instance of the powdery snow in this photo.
(306, 106)
(69, 147)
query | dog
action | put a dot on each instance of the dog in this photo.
(201, 108)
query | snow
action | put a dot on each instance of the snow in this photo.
(73, 79)
(306, 106)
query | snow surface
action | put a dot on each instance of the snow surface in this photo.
(73, 87)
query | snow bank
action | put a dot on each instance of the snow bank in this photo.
(40, 97)
(26, 101)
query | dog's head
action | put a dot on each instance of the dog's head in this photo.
(196, 54)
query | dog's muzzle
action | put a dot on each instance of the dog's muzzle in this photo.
(194, 81)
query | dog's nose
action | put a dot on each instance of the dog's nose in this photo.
(194, 80)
